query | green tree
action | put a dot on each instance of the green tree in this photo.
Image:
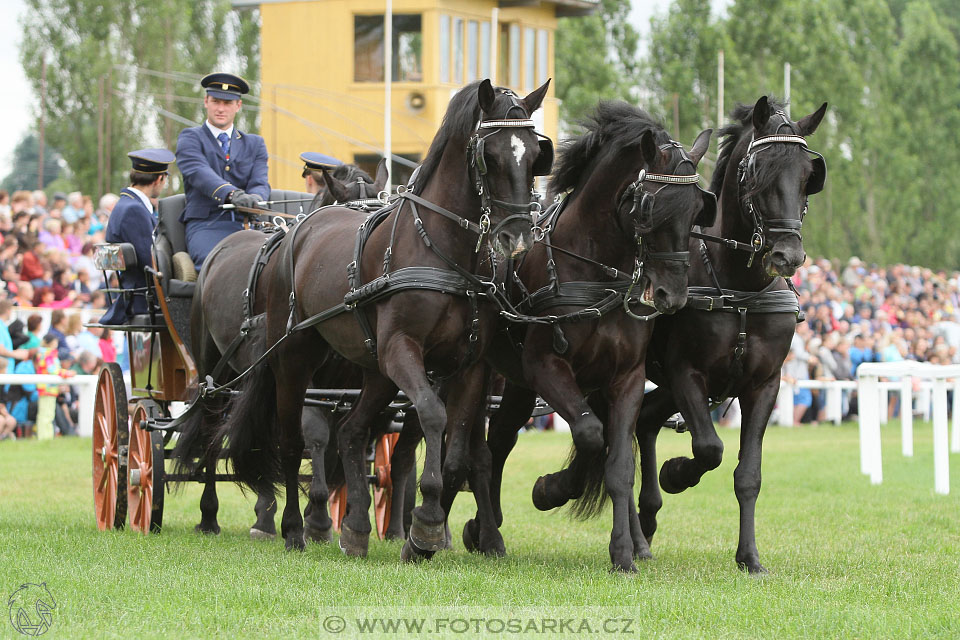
(26, 157)
(149, 57)
(596, 57)
(684, 43)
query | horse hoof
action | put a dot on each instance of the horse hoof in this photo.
(295, 542)
(753, 568)
(207, 530)
(321, 536)
(353, 543)
(644, 555)
(428, 537)
(471, 537)
(668, 474)
(626, 570)
(257, 534)
(411, 553)
(541, 497)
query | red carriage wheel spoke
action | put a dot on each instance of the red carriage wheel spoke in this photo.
(383, 490)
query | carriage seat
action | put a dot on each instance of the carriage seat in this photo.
(171, 237)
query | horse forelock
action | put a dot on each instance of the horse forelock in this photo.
(612, 126)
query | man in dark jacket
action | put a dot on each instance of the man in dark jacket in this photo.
(220, 165)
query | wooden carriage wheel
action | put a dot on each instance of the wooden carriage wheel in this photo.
(383, 486)
(146, 473)
(110, 437)
(338, 506)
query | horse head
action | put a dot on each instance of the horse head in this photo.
(659, 206)
(504, 155)
(349, 183)
(777, 173)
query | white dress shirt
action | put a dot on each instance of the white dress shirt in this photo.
(143, 198)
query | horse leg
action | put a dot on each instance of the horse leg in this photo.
(657, 407)
(756, 405)
(209, 503)
(401, 467)
(556, 489)
(679, 474)
(401, 358)
(266, 509)
(626, 539)
(316, 435)
(515, 407)
(290, 393)
(557, 385)
(352, 439)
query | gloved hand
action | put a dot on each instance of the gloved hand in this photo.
(241, 198)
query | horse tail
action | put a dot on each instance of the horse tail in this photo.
(196, 433)
(588, 469)
(250, 432)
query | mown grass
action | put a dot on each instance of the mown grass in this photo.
(847, 559)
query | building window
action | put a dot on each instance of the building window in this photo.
(458, 50)
(471, 50)
(444, 48)
(529, 57)
(484, 49)
(368, 48)
(510, 55)
(543, 42)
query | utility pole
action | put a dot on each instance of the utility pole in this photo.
(719, 93)
(388, 91)
(43, 109)
(108, 146)
(100, 188)
(786, 86)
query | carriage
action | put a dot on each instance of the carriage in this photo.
(132, 435)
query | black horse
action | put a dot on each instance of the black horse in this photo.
(734, 335)
(217, 319)
(614, 247)
(404, 306)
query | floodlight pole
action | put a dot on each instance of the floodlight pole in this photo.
(388, 90)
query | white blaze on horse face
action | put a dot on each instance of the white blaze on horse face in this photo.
(518, 148)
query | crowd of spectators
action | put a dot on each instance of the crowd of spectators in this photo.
(866, 313)
(48, 286)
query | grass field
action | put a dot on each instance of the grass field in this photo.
(847, 559)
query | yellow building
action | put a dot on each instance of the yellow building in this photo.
(322, 72)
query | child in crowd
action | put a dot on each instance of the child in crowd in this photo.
(47, 363)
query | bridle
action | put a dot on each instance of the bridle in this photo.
(477, 165)
(746, 178)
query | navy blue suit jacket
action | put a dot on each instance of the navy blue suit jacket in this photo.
(208, 178)
(130, 222)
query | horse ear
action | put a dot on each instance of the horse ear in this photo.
(486, 95)
(761, 113)
(700, 145)
(649, 149)
(383, 174)
(336, 189)
(808, 124)
(535, 98)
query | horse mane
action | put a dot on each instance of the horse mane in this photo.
(730, 136)
(613, 125)
(458, 124)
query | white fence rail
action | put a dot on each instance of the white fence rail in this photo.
(86, 392)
